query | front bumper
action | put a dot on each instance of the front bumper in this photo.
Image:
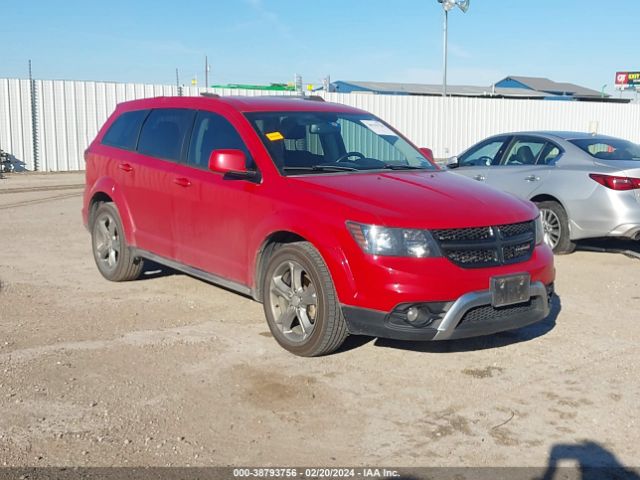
(471, 315)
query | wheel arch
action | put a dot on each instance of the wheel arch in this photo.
(106, 190)
(545, 197)
(96, 200)
(332, 254)
(268, 246)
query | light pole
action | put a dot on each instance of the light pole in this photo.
(446, 6)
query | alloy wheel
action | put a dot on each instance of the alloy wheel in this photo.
(107, 243)
(294, 302)
(552, 227)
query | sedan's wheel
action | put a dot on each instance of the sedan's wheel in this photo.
(556, 227)
(110, 251)
(552, 229)
(300, 302)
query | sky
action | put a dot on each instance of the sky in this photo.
(263, 41)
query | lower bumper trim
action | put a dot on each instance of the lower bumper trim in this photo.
(470, 315)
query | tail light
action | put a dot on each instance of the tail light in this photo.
(616, 183)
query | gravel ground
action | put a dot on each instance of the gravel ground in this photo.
(169, 370)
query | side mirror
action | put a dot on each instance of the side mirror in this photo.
(233, 164)
(228, 161)
(452, 162)
(428, 153)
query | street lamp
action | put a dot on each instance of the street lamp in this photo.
(446, 6)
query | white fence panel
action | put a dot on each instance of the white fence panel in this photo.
(15, 121)
(70, 114)
(450, 125)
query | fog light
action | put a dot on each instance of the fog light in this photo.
(412, 314)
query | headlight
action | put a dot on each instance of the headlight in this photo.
(395, 242)
(539, 230)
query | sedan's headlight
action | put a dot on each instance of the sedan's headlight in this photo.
(395, 242)
(539, 230)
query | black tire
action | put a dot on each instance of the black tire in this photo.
(112, 255)
(328, 328)
(554, 215)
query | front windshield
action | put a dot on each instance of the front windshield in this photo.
(609, 148)
(326, 142)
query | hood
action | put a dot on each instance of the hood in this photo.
(434, 199)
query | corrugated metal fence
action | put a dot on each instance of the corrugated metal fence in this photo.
(69, 114)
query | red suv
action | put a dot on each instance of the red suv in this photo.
(322, 212)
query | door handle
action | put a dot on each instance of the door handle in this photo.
(480, 178)
(183, 182)
(125, 167)
(532, 178)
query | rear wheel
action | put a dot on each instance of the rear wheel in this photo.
(300, 302)
(113, 257)
(556, 227)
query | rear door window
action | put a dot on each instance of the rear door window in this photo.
(524, 151)
(124, 131)
(163, 133)
(214, 132)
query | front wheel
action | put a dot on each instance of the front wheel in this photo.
(555, 222)
(300, 302)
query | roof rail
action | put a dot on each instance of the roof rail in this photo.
(209, 94)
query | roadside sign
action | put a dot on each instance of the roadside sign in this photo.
(626, 80)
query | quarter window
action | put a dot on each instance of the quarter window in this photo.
(123, 133)
(164, 131)
(549, 155)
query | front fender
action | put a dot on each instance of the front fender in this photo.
(326, 236)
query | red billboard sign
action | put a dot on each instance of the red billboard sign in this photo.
(627, 79)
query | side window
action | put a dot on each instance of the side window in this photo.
(123, 133)
(524, 151)
(487, 153)
(164, 131)
(214, 132)
(549, 154)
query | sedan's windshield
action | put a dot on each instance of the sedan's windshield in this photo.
(609, 148)
(328, 142)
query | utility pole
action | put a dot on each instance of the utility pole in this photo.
(206, 72)
(297, 81)
(34, 120)
(444, 52)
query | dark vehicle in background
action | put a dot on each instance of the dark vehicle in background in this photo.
(585, 185)
(6, 165)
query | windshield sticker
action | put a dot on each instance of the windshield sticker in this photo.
(275, 136)
(377, 127)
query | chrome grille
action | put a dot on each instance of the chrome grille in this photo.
(487, 246)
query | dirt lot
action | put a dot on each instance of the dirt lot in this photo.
(170, 370)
